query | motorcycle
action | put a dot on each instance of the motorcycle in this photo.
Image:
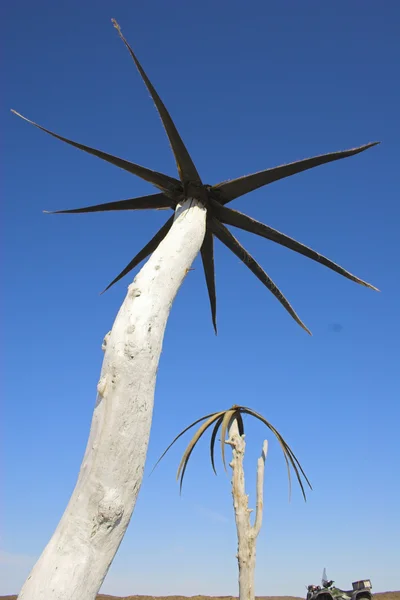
(328, 591)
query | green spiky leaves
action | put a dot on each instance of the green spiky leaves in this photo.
(215, 198)
(221, 421)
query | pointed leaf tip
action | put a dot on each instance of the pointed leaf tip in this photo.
(229, 216)
(163, 182)
(144, 252)
(207, 257)
(186, 168)
(243, 185)
(116, 25)
(370, 286)
(226, 237)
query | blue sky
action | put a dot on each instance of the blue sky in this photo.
(250, 85)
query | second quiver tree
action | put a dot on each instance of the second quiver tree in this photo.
(230, 424)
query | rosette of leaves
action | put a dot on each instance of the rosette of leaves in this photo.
(220, 421)
(215, 198)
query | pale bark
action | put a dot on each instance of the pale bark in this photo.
(246, 533)
(77, 558)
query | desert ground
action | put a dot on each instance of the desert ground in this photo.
(378, 596)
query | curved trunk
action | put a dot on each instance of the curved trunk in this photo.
(76, 560)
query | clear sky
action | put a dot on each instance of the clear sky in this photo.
(251, 85)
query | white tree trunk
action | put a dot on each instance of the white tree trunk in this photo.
(76, 560)
(247, 533)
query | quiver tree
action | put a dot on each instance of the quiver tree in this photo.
(231, 425)
(77, 558)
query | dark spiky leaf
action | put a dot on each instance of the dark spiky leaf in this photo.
(235, 188)
(225, 236)
(158, 179)
(238, 219)
(186, 455)
(295, 460)
(212, 441)
(212, 197)
(207, 257)
(187, 170)
(287, 451)
(154, 201)
(144, 252)
(283, 446)
(228, 417)
(181, 434)
(240, 423)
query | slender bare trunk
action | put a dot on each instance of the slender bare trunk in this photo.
(246, 533)
(76, 560)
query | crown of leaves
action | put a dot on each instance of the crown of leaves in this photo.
(221, 421)
(214, 197)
